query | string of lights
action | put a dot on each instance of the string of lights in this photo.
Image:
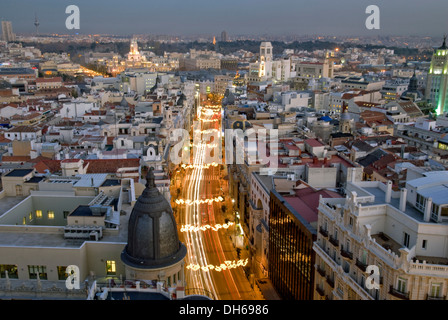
(189, 202)
(216, 227)
(199, 166)
(223, 266)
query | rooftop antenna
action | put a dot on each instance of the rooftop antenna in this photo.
(36, 24)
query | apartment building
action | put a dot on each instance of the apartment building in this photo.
(384, 244)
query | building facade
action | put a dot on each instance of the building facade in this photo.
(383, 244)
(437, 80)
(291, 256)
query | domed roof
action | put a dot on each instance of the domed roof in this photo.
(153, 241)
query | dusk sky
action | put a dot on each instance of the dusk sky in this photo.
(186, 17)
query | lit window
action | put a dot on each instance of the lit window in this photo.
(50, 214)
(38, 213)
(24, 220)
(110, 267)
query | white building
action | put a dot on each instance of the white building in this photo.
(400, 234)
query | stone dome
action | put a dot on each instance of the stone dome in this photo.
(153, 241)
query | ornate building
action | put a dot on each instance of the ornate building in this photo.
(437, 85)
(153, 251)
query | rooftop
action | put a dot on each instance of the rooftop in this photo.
(306, 200)
(380, 198)
(18, 172)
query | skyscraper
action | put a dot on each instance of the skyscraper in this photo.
(437, 85)
(7, 34)
(224, 37)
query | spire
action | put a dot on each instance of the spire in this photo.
(444, 47)
(150, 179)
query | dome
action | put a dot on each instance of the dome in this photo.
(153, 241)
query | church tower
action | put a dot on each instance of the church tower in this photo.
(153, 250)
(345, 122)
(265, 71)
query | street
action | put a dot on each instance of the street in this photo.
(212, 265)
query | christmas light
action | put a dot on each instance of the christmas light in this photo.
(216, 227)
(192, 202)
(199, 166)
(223, 266)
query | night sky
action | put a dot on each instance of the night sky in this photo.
(273, 17)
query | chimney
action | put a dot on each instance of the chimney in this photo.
(315, 160)
(403, 193)
(388, 191)
(427, 215)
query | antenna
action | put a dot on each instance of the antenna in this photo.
(36, 23)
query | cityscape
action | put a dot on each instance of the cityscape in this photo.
(221, 165)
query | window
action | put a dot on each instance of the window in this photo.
(424, 244)
(10, 268)
(110, 267)
(33, 271)
(30, 216)
(406, 239)
(66, 213)
(62, 275)
(50, 214)
(420, 202)
(24, 220)
(346, 267)
(364, 257)
(38, 214)
(402, 285)
(340, 289)
(436, 290)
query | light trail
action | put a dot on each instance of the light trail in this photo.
(205, 252)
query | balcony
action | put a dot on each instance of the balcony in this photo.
(330, 282)
(362, 266)
(323, 232)
(334, 241)
(346, 254)
(428, 297)
(321, 271)
(320, 291)
(399, 294)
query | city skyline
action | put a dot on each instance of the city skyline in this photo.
(249, 17)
